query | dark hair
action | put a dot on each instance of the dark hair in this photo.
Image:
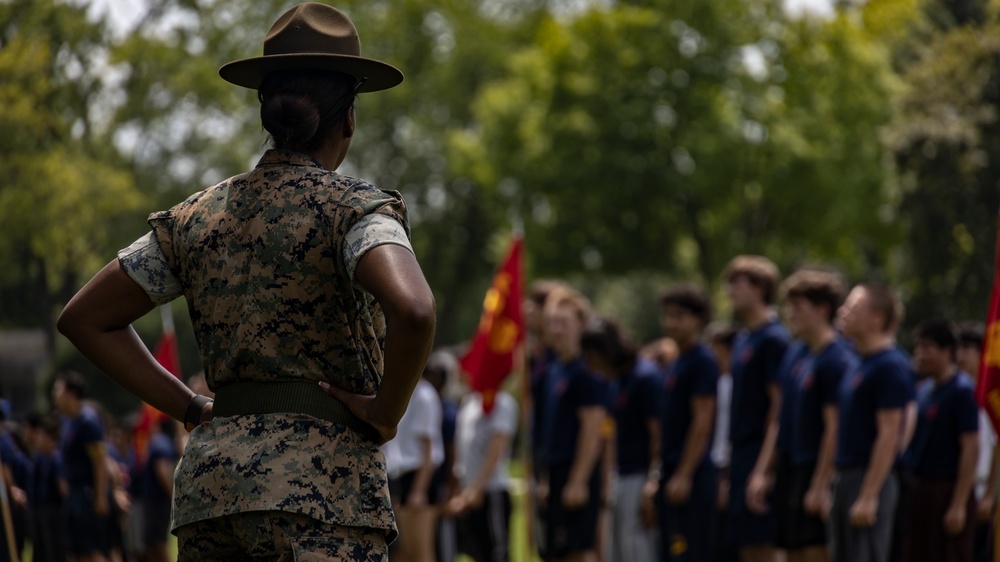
(300, 108)
(539, 291)
(971, 334)
(690, 298)
(819, 287)
(885, 301)
(940, 332)
(607, 339)
(73, 383)
(758, 270)
(721, 333)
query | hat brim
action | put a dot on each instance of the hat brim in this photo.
(249, 73)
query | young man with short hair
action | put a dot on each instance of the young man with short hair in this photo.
(572, 436)
(760, 346)
(685, 491)
(970, 345)
(943, 453)
(811, 376)
(871, 425)
(84, 455)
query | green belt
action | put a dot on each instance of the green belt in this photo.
(285, 397)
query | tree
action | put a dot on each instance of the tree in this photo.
(64, 186)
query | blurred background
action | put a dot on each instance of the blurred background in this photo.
(637, 142)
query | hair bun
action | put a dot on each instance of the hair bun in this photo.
(292, 119)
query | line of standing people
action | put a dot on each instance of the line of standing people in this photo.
(810, 440)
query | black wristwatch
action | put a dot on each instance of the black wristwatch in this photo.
(192, 418)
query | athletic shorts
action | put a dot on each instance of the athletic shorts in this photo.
(86, 533)
(748, 528)
(483, 532)
(280, 536)
(568, 531)
(400, 487)
(688, 532)
(795, 528)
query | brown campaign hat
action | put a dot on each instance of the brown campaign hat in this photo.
(313, 36)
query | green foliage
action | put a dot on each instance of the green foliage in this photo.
(636, 141)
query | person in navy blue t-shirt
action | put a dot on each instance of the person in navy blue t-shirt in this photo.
(48, 489)
(155, 486)
(807, 439)
(943, 453)
(685, 493)
(635, 405)
(751, 284)
(873, 399)
(81, 444)
(572, 436)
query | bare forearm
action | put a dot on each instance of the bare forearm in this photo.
(101, 477)
(588, 450)
(422, 478)
(966, 471)
(765, 460)
(882, 458)
(695, 445)
(497, 445)
(824, 462)
(407, 344)
(121, 355)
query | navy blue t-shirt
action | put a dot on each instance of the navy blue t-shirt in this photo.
(881, 381)
(46, 472)
(636, 401)
(814, 384)
(16, 460)
(539, 397)
(569, 387)
(756, 360)
(694, 374)
(75, 436)
(161, 447)
(947, 411)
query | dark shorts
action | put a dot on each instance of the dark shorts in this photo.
(155, 522)
(927, 540)
(795, 528)
(401, 486)
(748, 528)
(688, 532)
(567, 531)
(276, 535)
(86, 533)
(483, 532)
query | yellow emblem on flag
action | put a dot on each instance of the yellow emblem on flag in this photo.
(992, 351)
(678, 545)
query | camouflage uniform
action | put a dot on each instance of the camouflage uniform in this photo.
(266, 262)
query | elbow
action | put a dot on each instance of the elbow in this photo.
(417, 315)
(68, 323)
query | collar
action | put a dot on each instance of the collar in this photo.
(283, 157)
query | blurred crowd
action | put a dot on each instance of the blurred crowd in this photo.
(84, 486)
(797, 430)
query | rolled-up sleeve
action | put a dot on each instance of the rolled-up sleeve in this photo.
(144, 263)
(370, 232)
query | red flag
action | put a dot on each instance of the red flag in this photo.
(167, 355)
(988, 384)
(490, 357)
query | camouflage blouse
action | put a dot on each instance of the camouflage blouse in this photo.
(266, 262)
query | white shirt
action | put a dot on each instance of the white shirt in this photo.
(720, 443)
(422, 420)
(987, 441)
(473, 432)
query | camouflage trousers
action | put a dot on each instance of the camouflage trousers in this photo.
(277, 536)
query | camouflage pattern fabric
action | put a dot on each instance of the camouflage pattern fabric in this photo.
(265, 261)
(277, 536)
